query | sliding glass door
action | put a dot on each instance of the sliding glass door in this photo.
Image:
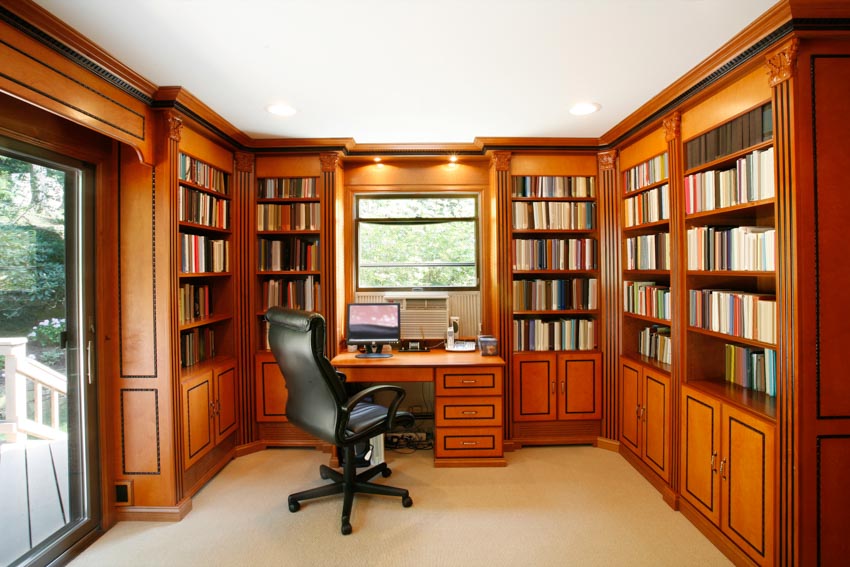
(48, 466)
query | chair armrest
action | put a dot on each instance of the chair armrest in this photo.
(357, 398)
(342, 377)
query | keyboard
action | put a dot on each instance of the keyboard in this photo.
(462, 346)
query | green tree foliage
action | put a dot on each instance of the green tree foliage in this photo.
(32, 244)
(417, 242)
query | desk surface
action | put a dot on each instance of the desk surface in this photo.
(414, 359)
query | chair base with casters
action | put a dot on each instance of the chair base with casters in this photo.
(348, 483)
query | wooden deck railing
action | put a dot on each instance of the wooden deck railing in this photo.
(22, 421)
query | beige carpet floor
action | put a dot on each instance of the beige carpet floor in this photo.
(558, 506)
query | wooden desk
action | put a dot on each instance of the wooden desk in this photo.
(468, 404)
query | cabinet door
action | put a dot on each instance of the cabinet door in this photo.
(533, 391)
(655, 412)
(631, 376)
(579, 386)
(225, 402)
(748, 483)
(197, 409)
(271, 389)
(701, 453)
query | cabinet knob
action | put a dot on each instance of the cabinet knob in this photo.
(553, 386)
(713, 456)
(469, 381)
(469, 412)
(470, 443)
(722, 466)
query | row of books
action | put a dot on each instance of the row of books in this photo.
(644, 174)
(554, 254)
(201, 254)
(202, 208)
(302, 293)
(196, 345)
(553, 186)
(752, 179)
(655, 342)
(740, 314)
(560, 334)
(200, 173)
(286, 188)
(649, 206)
(290, 216)
(742, 248)
(648, 252)
(193, 302)
(554, 215)
(647, 298)
(554, 295)
(296, 254)
(742, 132)
(751, 368)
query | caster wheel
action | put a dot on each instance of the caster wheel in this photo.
(294, 506)
(407, 502)
(386, 473)
(346, 528)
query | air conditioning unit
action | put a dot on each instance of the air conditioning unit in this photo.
(424, 314)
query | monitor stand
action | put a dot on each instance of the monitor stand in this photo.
(373, 351)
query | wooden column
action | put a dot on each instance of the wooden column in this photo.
(608, 219)
(245, 303)
(780, 66)
(500, 179)
(331, 169)
(678, 281)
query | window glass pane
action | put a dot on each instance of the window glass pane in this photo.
(417, 255)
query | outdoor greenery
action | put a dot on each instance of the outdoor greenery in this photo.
(427, 242)
(32, 256)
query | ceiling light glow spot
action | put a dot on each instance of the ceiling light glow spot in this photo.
(584, 108)
(281, 109)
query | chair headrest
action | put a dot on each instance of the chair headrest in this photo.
(292, 318)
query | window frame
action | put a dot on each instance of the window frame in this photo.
(475, 220)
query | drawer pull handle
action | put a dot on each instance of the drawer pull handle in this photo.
(470, 443)
(469, 412)
(469, 381)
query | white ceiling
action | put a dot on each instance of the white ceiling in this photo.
(408, 71)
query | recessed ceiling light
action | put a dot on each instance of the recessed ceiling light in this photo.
(584, 108)
(281, 109)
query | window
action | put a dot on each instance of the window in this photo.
(417, 241)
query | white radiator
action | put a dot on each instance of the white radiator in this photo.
(425, 315)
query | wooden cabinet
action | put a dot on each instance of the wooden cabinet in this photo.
(645, 415)
(208, 408)
(270, 388)
(556, 396)
(556, 386)
(728, 466)
(468, 415)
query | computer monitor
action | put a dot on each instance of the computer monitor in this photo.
(373, 325)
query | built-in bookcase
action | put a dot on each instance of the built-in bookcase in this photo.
(647, 262)
(730, 252)
(205, 280)
(555, 259)
(288, 250)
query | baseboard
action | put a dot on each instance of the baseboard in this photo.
(607, 444)
(249, 448)
(154, 513)
(670, 497)
(714, 535)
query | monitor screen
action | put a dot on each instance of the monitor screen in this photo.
(373, 323)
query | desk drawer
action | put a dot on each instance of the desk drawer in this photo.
(471, 381)
(384, 374)
(468, 442)
(469, 411)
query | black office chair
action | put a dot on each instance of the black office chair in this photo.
(319, 405)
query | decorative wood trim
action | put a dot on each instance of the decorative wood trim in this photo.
(154, 513)
(607, 160)
(330, 162)
(782, 64)
(673, 127)
(175, 126)
(501, 161)
(244, 162)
